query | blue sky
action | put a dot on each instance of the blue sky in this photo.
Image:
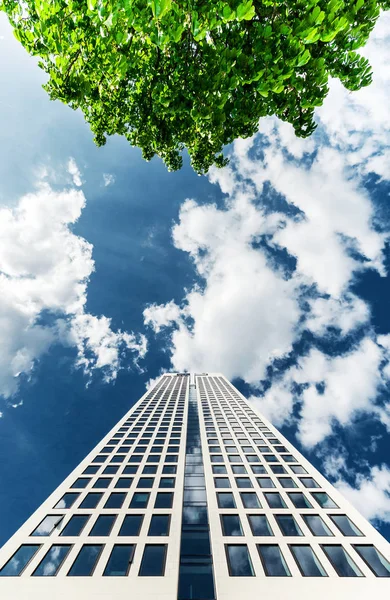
(273, 270)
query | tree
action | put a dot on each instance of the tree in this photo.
(195, 74)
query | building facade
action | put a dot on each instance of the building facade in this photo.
(194, 495)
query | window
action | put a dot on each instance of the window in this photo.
(115, 500)
(19, 561)
(374, 559)
(75, 525)
(250, 500)
(120, 560)
(149, 470)
(81, 482)
(169, 469)
(153, 561)
(231, 525)
(103, 525)
(139, 500)
(307, 562)
(195, 543)
(259, 469)
(145, 482)
(91, 500)
(289, 458)
(131, 525)
(345, 525)
(309, 482)
(324, 500)
(265, 482)
(221, 482)
(274, 500)
(239, 470)
(299, 500)
(341, 561)
(130, 470)
(52, 562)
(124, 482)
(67, 500)
(167, 482)
(194, 516)
(164, 500)
(102, 482)
(226, 500)
(110, 470)
(219, 470)
(260, 525)
(196, 580)
(278, 469)
(316, 525)
(273, 561)
(239, 561)
(159, 525)
(86, 560)
(91, 470)
(287, 482)
(288, 525)
(47, 526)
(297, 469)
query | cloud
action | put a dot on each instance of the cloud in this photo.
(370, 495)
(44, 274)
(108, 179)
(74, 171)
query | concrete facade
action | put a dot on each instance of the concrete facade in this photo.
(231, 430)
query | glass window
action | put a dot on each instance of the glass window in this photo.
(374, 559)
(159, 525)
(307, 562)
(226, 500)
(86, 560)
(167, 482)
(164, 500)
(231, 525)
(317, 525)
(153, 561)
(259, 469)
(195, 543)
(51, 563)
(250, 500)
(244, 482)
(324, 500)
(297, 469)
(341, 561)
(270, 458)
(265, 482)
(289, 458)
(67, 500)
(75, 525)
(115, 500)
(193, 516)
(309, 482)
(260, 525)
(278, 469)
(219, 470)
(239, 470)
(299, 500)
(47, 526)
(19, 561)
(287, 482)
(273, 561)
(196, 581)
(216, 458)
(274, 500)
(91, 470)
(221, 482)
(149, 470)
(145, 482)
(239, 561)
(81, 482)
(103, 525)
(139, 500)
(169, 469)
(345, 525)
(131, 525)
(130, 470)
(110, 470)
(120, 560)
(102, 482)
(288, 525)
(125, 482)
(91, 500)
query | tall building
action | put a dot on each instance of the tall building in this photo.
(195, 496)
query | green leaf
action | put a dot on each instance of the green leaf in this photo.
(160, 7)
(92, 4)
(358, 5)
(245, 11)
(304, 58)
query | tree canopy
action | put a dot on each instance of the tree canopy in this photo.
(195, 74)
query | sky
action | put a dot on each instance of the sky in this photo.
(273, 271)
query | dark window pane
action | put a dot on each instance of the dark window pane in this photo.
(243, 482)
(75, 525)
(309, 482)
(345, 525)
(19, 561)
(239, 561)
(91, 500)
(288, 525)
(86, 560)
(194, 516)
(149, 470)
(195, 496)
(67, 500)
(274, 500)
(341, 561)
(159, 525)
(324, 500)
(102, 482)
(374, 559)
(91, 470)
(120, 560)
(231, 525)
(250, 500)
(124, 482)
(47, 526)
(153, 561)
(110, 470)
(167, 482)
(81, 482)
(259, 525)
(103, 525)
(299, 500)
(297, 469)
(308, 563)
(221, 482)
(226, 500)
(278, 469)
(265, 482)
(139, 500)
(164, 500)
(195, 543)
(145, 482)
(52, 562)
(130, 470)
(273, 561)
(170, 469)
(115, 500)
(316, 525)
(131, 525)
(196, 581)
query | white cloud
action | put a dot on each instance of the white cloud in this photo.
(44, 270)
(74, 171)
(158, 316)
(108, 179)
(371, 495)
(344, 313)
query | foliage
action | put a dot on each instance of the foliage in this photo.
(170, 74)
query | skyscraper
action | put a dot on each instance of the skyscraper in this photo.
(193, 495)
